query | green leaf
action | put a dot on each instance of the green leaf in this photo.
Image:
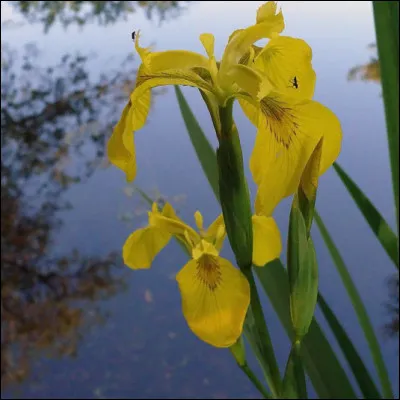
(379, 226)
(303, 272)
(329, 379)
(238, 351)
(258, 336)
(365, 382)
(200, 143)
(386, 15)
(294, 383)
(235, 197)
(236, 209)
(327, 375)
(359, 308)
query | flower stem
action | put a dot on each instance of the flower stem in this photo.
(236, 209)
(250, 374)
(256, 330)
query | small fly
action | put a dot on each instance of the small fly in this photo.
(133, 35)
(294, 83)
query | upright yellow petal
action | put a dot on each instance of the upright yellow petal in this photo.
(142, 51)
(266, 11)
(284, 143)
(287, 63)
(143, 245)
(267, 244)
(215, 298)
(169, 212)
(216, 232)
(120, 147)
(268, 23)
(175, 226)
(199, 220)
(208, 40)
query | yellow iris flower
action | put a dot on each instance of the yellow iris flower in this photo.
(215, 294)
(274, 85)
(290, 125)
(217, 82)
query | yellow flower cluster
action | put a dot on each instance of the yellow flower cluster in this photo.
(274, 85)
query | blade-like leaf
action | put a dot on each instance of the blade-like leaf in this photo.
(359, 308)
(294, 383)
(259, 339)
(367, 385)
(327, 375)
(379, 226)
(386, 15)
(200, 143)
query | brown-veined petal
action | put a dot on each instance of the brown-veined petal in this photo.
(215, 298)
(287, 135)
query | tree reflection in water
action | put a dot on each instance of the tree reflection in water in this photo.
(47, 117)
(367, 72)
(392, 328)
(102, 12)
(55, 123)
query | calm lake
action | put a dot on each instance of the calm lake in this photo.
(75, 321)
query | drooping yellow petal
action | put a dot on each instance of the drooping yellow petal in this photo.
(143, 245)
(176, 59)
(241, 41)
(147, 79)
(215, 298)
(284, 143)
(120, 147)
(267, 244)
(287, 63)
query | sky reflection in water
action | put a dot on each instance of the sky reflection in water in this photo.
(119, 333)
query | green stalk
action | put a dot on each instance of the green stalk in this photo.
(250, 374)
(359, 309)
(386, 15)
(236, 209)
(258, 335)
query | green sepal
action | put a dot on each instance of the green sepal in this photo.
(303, 273)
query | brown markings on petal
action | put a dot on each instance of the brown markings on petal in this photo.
(209, 272)
(280, 119)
